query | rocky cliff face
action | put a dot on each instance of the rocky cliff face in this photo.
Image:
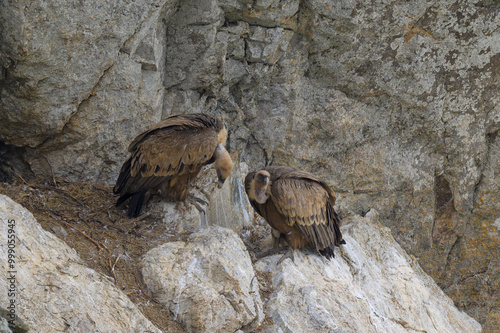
(395, 104)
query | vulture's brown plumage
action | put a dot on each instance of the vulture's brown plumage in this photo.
(169, 156)
(298, 205)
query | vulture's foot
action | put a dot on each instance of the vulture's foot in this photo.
(197, 202)
(205, 193)
(288, 254)
(272, 251)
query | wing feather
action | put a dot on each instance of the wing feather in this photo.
(178, 122)
(307, 202)
(176, 146)
(300, 200)
(170, 152)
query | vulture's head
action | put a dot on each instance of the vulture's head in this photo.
(223, 164)
(261, 184)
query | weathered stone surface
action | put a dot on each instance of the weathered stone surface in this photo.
(207, 282)
(267, 45)
(475, 254)
(136, 67)
(371, 285)
(4, 326)
(55, 292)
(395, 104)
(194, 55)
(266, 13)
(55, 55)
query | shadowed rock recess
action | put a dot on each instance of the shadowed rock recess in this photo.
(394, 103)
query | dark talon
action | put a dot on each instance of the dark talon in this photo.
(195, 201)
(272, 251)
(288, 254)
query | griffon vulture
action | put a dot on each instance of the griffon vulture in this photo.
(169, 156)
(298, 205)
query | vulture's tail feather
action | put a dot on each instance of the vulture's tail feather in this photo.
(136, 203)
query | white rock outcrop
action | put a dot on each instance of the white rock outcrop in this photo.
(207, 282)
(54, 290)
(370, 286)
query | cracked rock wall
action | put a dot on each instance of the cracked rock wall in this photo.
(395, 104)
(72, 72)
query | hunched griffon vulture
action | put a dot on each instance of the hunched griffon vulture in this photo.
(298, 205)
(169, 156)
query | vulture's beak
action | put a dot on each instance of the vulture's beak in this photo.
(221, 181)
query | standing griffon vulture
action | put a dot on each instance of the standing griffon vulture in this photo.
(169, 156)
(298, 205)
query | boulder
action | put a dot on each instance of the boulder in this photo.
(207, 281)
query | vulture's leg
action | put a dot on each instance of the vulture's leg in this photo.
(277, 237)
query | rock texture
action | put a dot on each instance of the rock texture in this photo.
(69, 72)
(396, 104)
(207, 282)
(371, 285)
(54, 291)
